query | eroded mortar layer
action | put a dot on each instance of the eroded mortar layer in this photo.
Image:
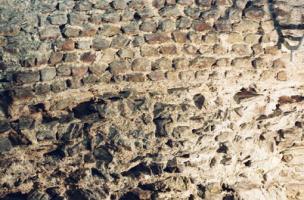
(155, 99)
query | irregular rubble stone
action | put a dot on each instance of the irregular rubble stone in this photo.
(160, 99)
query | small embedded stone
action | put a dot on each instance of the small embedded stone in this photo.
(156, 38)
(63, 70)
(79, 71)
(68, 45)
(156, 76)
(27, 77)
(136, 77)
(183, 23)
(185, 2)
(119, 4)
(48, 74)
(3, 41)
(199, 100)
(58, 19)
(77, 18)
(282, 76)
(70, 31)
(88, 57)
(125, 53)
(100, 43)
(70, 57)
(141, 64)
(179, 36)
(169, 49)
(5, 145)
(110, 30)
(180, 63)
(167, 25)
(111, 17)
(131, 29)
(201, 26)
(4, 126)
(148, 26)
(162, 64)
(41, 89)
(120, 42)
(202, 62)
(23, 92)
(148, 51)
(118, 67)
(170, 11)
(83, 44)
(55, 58)
(49, 33)
(254, 13)
(58, 86)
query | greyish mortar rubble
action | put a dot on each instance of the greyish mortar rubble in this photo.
(150, 99)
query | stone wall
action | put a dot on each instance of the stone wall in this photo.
(151, 99)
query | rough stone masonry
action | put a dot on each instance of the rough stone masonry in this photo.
(151, 99)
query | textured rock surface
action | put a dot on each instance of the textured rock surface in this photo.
(151, 99)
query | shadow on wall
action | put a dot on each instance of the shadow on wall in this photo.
(280, 27)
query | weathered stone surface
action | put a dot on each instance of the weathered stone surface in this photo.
(51, 32)
(58, 19)
(5, 145)
(156, 38)
(141, 64)
(118, 67)
(100, 43)
(48, 74)
(160, 99)
(88, 57)
(179, 37)
(27, 77)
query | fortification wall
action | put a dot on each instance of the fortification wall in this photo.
(151, 99)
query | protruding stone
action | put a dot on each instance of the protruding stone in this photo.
(48, 74)
(88, 57)
(100, 43)
(157, 38)
(27, 77)
(141, 64)
(179, 36)
(162, 64)
(282, 76)
(136, 77)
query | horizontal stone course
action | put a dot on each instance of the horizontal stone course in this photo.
(150, 99)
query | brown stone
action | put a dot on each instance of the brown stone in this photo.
(3, 41)
(282, 76)
(170, 49)
(172, 76)
(179, 36)
(68, 45)
(254, 13)
(201, 26)
(148, 51)
(180, 63)
(55, 58)
(79, 71)
(141, 64)
(156, 76)
(88, 57)
(136, 77)
(118, 67)
(156, 38)
(202, 62)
